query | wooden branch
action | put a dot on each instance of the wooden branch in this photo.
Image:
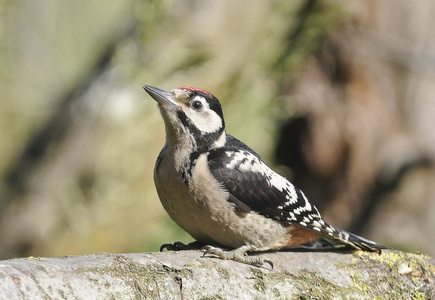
(188, 275)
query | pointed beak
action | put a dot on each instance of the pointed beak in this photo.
(161, 96)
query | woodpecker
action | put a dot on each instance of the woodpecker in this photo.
(224, 194)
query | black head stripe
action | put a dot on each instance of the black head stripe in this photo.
(214, 104)
(204, 141)
(185, 120)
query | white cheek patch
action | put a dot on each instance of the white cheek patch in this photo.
(206, 120)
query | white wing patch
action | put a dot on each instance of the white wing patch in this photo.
(301, 209)
(247, 162)
(305, 214)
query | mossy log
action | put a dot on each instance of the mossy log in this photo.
(187, 275)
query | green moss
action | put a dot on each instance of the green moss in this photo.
(391, 274)
(223, 273)
(307, 284)
(314, 286)
(416, 295)
(212, 298)
(373, 276)
(142, 278)
(259, 284)
(395, 259)
(359, 283)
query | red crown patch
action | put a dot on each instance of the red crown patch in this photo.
(194, 89)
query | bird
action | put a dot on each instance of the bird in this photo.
(224, 194)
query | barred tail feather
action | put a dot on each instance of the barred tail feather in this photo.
(355, 241)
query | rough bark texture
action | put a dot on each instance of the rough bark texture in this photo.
(187, 275)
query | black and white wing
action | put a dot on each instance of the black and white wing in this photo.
(254, 186)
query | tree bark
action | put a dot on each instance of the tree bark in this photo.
(188, 275)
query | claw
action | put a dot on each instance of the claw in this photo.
(179, 246)
(176, 246)
(269, 262)
(238, 255)
(167, 247)
(211, 250)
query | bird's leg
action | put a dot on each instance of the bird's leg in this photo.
(238, 255)
(179, 246)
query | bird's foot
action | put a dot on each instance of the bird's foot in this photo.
(179, 246)
(238, 255)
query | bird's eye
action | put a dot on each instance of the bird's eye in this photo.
(196, 105)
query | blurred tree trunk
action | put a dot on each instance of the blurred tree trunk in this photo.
(363, 133)
(28, 209)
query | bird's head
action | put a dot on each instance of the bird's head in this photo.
(191, 112)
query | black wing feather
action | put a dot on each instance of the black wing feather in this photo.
(253, 185)
(248, 178)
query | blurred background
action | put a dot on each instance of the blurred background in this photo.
(338, 96)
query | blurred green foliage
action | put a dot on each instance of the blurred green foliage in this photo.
(95, 191)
